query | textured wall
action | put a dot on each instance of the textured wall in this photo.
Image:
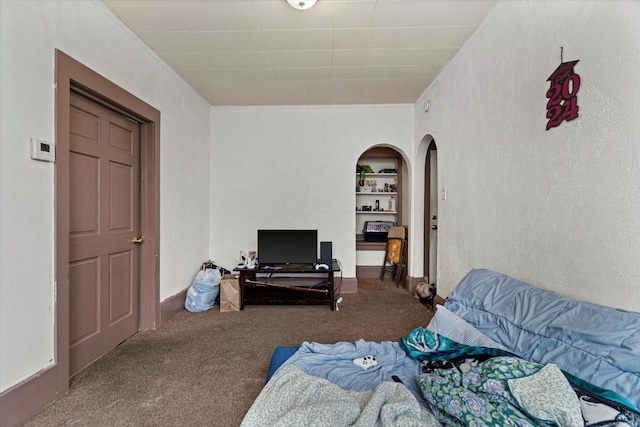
(294, 167)
(30, 31)
(557, 208)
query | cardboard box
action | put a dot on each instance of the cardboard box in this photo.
(229, 293)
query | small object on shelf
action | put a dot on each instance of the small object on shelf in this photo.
(384, 180)
(252, 260)
(366, 208)
(376, 231)
(392, 204)
(364, 168)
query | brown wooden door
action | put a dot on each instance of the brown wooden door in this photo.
(104, 187)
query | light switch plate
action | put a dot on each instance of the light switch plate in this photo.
(43, 150)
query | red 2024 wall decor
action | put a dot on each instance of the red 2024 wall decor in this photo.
(563, 95)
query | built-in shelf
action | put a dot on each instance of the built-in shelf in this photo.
(378, 175)
(377, 212)
(378, 193)
(362, 245)
(378, 159)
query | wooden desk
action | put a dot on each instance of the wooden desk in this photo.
(276, 285)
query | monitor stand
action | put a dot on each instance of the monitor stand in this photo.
(258, 286)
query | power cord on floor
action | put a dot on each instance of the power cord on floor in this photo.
(337, 296)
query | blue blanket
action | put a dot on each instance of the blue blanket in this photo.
(598, 344)
(334, 362)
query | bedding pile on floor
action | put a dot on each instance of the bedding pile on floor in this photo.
(467, 385)
(513, 359)
(294, 398)
(334, 362)
(461, 384)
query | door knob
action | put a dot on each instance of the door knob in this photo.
(434, 227)
(137, 240)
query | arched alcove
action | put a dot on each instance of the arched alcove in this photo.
(388, 165)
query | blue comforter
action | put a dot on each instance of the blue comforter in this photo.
(597, 344)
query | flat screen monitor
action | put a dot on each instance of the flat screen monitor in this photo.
(287, 247)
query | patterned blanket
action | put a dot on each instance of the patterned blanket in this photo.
(476, 386)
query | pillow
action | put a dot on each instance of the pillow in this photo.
(454, 327)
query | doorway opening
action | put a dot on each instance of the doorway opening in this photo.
(430, 264)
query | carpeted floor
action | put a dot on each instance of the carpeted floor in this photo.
(206, 369)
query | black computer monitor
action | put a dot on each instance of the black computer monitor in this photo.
(287, 247)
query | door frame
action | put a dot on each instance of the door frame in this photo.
(71, 75)
(427, 213)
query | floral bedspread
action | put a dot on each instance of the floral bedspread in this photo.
(504, 391)
(476, 386)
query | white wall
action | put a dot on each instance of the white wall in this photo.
(87, 31)
(558, 208)
(294, 167)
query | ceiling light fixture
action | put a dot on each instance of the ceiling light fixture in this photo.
(302, 4)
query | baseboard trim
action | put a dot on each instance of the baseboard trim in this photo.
(368, 271)
(349, 285)
(172, 306)
(412, 282)
(373, 272)
(24, 400)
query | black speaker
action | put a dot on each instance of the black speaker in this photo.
(326, 255)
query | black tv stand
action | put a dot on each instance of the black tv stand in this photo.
(260, 286)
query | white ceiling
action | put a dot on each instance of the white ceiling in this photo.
(264, 52)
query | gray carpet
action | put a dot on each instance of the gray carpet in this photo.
(206, 369)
